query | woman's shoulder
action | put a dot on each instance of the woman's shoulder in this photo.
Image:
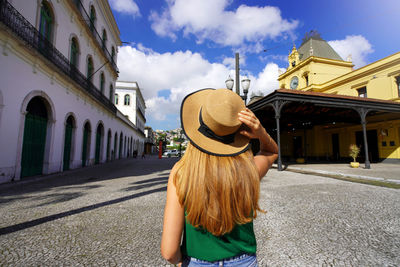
(174, 169)
(176, 166)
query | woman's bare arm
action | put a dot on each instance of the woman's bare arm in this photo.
(174, 218)
(268, 148)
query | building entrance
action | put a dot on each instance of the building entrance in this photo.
(68, 143)
(86, 144)
(34, 141)
(99, 137)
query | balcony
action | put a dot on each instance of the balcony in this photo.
(95, 34)
(22, 28)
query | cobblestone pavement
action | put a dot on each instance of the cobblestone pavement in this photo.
(111, 215)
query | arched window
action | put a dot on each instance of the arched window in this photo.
(111, 92)
(102, 81)
(127, 100)
(90, 68)
(104, 39)
(398, 85)
(92, 18)
(116, 99)
(74, 52)
(112, 54)
(46, 21)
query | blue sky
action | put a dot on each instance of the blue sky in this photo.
(179, 46)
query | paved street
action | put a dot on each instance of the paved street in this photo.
(111, 215)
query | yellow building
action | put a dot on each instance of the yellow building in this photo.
(324, 105)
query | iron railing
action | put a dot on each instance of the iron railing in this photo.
(21, 27)
(96, 35)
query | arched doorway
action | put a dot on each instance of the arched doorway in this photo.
(69, 127)
(34, 142)
(86, 144)
(125, 147)
(131, 147)
(115, 146)
(121, 143)
(108, 157)
(99, 141)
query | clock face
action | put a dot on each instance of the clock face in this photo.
(294, 82)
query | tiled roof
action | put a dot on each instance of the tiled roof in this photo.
(310, 93)
(320, 48)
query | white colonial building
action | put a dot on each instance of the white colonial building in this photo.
(57, 79)
(129, 100)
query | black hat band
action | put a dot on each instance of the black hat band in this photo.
(206, 131)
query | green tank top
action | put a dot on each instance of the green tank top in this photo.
(200, 244)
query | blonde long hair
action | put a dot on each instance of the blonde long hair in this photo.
(217, 192)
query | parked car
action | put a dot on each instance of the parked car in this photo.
(171, 153)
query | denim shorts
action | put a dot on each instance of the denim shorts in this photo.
(245, 260)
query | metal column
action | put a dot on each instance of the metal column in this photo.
(277, 105)
(363, 114)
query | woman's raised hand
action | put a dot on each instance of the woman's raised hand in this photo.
(255, 129)
(268, 148)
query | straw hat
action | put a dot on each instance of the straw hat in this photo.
(210, 121)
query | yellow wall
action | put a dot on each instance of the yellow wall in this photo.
(322, 72)
(380, 84)
(336, 77)
(333, 76)
(319, 140)
(319, 71)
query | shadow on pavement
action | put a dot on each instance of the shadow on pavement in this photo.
(165, 178)
(54, 198)
(32, 223)
(81, 180)
(147, 183)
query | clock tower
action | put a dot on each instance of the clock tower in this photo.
(313, 64)
(293, 57)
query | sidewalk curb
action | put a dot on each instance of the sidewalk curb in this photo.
(337, 175)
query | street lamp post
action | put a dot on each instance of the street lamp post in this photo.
(245, 81)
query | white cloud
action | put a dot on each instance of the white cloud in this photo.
(267, 80)
(355, 45)
(209, 19)
(180, 72)
(125, 6)
(229, 62)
